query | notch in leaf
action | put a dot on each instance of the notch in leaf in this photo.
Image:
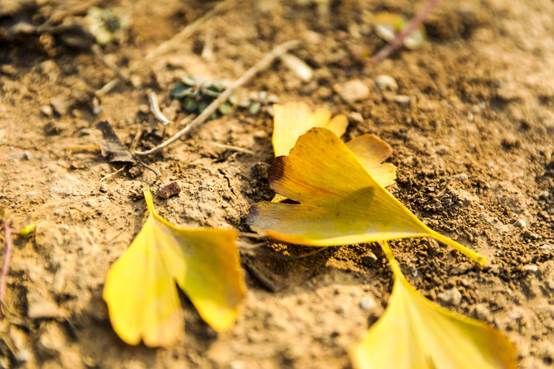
(140, 288)
(340, 202)
(415, 333)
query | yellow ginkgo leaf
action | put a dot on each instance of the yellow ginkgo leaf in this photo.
(140, 288)
(293, 119)
(415, 333)
(371, 151)
(340, 202)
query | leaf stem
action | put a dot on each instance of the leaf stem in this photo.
(473, 255)
(391, 259)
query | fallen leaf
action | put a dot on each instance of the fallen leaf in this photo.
(140, 287)
(111, 147)
(340, 202)
(371, 151)
(416, 333)
(293, 119)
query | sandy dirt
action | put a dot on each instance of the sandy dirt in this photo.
(473, 145)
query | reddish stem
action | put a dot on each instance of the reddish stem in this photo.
(6, 264)
(414, 23)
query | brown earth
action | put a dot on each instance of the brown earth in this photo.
(473, 148)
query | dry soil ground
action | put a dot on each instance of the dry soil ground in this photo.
(473, 148)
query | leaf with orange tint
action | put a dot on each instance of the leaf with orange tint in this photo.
(339, 201)
(293, 119)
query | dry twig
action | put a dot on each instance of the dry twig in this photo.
(8, 246)
(414, 23)
(264, 63)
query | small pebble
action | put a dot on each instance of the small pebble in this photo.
(402, 100)
(169, 190)
(368, 303)
(451, 296)
(46, 110)
(352, 91)
(40, 307)
(356, 117)
(520, 223)
(482, 312)
(386, 82)
(61, 104)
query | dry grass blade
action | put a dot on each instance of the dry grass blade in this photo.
(155, 109)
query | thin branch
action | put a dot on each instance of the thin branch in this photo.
(264, 63)
(414, 23)
(8, 246)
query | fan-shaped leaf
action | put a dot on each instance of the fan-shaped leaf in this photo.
(140, 287)
(339, 200)
(415, 333)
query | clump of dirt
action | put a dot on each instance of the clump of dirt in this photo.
(470, 117)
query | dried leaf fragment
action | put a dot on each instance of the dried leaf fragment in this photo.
(415, 333)
(140, 287)
(111, 147)
(340, 202)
